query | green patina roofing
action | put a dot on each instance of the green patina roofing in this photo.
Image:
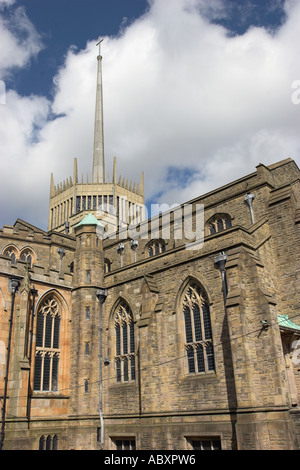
(90, 219)
(285, 322)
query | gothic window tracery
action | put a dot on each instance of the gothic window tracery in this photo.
(27, 255)
(14, 254)
(47, 346)
(198, 331)
(125, 344)
(11, 252)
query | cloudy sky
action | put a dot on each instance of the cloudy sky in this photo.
(196, 93)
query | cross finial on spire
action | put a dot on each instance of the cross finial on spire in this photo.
(99, 44)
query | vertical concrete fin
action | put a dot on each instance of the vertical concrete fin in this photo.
(75, 171)
(52, 188)
(142, 184)
(115, 171)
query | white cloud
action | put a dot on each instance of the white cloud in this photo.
(19, 39)
(179, 92)
(5, 3)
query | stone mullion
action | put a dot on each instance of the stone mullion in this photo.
(51, 354)
(44, 329)
(52, 314)
(196, 344)
(42, 354)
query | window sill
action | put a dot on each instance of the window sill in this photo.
(131, 383)
(211, 375)
(47, 395)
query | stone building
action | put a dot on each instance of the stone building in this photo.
(137, 340)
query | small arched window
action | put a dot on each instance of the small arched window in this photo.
(198, 331)
(125, 344)
(156, 247)
(42, 443)
(55, 442)
(218, 223)
(47, 345)
(11, 253)
(107, 266)
(49, 443)
(27, 255)
(87, 313)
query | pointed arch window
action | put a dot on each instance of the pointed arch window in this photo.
(47, 346)
(49, 443)
(198, 331)
(156, 247)
(27, 255)
(125, 344)
(11, 253)
(219, 223)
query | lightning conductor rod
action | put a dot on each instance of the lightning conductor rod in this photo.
(98, 172)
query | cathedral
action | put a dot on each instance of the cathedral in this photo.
(119, 332)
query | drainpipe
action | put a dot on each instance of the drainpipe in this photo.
(249, 200)
(120, 250)
(67, 228)
(220, 261)
(34, 293)
(13, 287)
(134, 244)
(61, 253)
(101, 295)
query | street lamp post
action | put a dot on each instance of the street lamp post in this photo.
(101, 295)
(220, 261)
(13, 287)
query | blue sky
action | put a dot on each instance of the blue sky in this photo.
(62, 23)
(196, 93)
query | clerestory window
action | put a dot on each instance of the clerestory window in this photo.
(218, 223)
(156, 247)
(27, 256)
(11, 253)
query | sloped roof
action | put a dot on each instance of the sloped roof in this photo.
(285, 322)
(22, 224)
(90, 219)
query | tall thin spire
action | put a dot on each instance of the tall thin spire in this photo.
(98, 173)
